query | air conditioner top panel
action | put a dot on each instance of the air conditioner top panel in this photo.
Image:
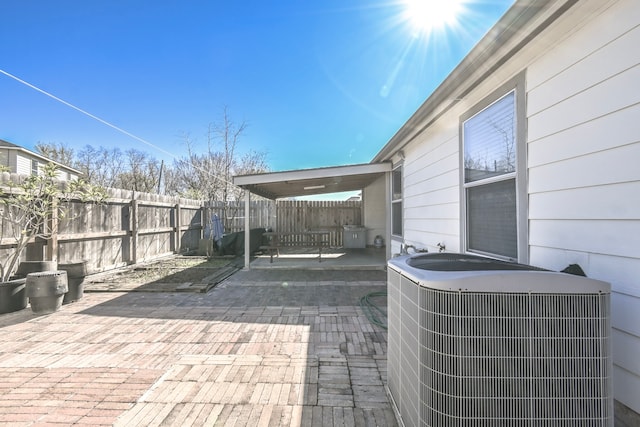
(472, 273)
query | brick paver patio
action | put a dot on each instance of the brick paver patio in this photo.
(264, 348)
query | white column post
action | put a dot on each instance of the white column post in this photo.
(247, 237)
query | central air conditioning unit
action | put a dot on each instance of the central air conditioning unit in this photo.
(477, 342)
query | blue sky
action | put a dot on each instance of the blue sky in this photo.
(321, 83)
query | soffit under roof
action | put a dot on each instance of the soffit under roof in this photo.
(306, 182)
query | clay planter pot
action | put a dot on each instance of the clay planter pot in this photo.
(76, 272)
(12, 296)
(46, 290)
(26, 267)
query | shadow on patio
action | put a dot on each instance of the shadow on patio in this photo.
(265, 347)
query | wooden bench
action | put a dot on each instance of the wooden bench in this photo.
(303, 239)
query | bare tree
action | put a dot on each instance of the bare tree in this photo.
(141, 174)
(101, 166)
(208, 175)
(57, 152)
(205, 175)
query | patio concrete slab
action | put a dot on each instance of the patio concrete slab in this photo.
(265, 347)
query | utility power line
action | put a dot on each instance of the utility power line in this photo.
(104, 122)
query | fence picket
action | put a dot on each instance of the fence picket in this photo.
(133, 227)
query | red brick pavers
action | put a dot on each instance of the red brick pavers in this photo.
(259, 349)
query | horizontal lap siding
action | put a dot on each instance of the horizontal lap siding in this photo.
(583, 110)
(23, 165)
(431, 190)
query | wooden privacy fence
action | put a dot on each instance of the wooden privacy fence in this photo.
(133, 227)
(290, 216)
(128, 228)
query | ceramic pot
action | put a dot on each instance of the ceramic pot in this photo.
(12, 296)
(26, 267)
(76, 272)
(46, 290)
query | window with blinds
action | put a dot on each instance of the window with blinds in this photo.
(489, 144)
(396, 202)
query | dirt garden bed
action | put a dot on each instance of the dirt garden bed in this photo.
(173, 274)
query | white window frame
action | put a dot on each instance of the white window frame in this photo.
(517, 86)
(396, 200)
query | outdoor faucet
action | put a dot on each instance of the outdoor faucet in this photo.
(405, 249)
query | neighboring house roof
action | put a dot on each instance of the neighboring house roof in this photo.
(11, 146)
(277, 185)
(518, 26)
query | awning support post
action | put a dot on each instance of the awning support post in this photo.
(247, 234)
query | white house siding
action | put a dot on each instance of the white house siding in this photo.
(583, 109)
(23, 165)
(583, 157)
(374, 196)
(431, 198)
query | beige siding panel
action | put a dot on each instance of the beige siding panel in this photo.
(620, 165)
(587, 57)
(595, 135)
(598, 237)
(607, 201)
(602, 99)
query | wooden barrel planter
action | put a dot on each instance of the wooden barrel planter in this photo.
(76, 272)
(46, 290)
(12, 296)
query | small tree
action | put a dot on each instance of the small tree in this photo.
(209, 175)
(28, 206)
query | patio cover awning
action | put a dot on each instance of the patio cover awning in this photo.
(304, 182)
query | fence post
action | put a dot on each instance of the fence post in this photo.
(204, 219)
(134, 230)
(51, 251)
(177, 228)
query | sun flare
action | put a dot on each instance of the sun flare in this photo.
(429, 15)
